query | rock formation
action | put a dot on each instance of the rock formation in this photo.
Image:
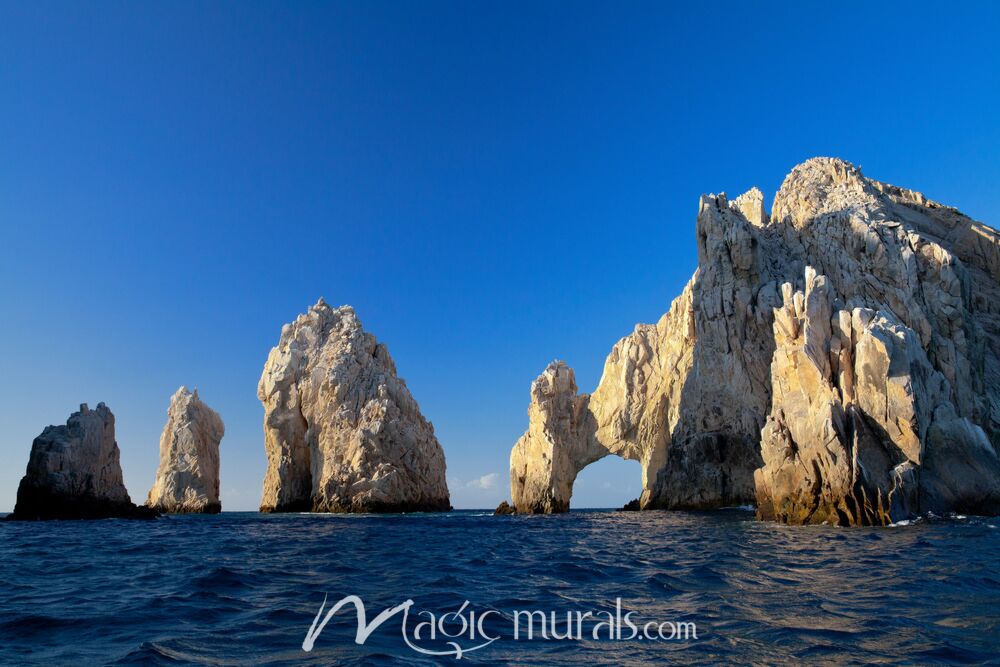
(74, 472)
(630, 506)
(836, 361)
(342, 432)
(503, 509)
(187, 479)
(545, 461)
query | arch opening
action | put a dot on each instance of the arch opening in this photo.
(608, 483)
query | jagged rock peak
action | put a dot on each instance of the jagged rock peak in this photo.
(819, 186)
(187, 479)
(751, 205)
(342, 431)
(74, 472)
(556, 379)
(839, 363)
(557, 445)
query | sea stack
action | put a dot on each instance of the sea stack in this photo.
(187, 480)
(341, 430)
(74, 472)
(835, 361)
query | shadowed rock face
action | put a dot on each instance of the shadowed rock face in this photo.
(837, 361)
(342, 432)
(74, 472)
(187, 479)
(503, 509)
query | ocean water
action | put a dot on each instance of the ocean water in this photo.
(243, 589)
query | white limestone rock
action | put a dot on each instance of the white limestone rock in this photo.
(838, 361)
(545, 461)
(342, 432)
(187, 480)
(751, 205)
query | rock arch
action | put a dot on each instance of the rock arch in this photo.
(845, 348)
(560, 442)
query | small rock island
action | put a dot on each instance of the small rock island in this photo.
(74, 472)
(342, 432)
(187, 480)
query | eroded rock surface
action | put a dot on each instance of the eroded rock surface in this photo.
(187, 479)
(545, 461)
(342, 432)
(837, 360)
(74, 472)
(503, 509)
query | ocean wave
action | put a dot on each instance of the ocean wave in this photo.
(242, 589)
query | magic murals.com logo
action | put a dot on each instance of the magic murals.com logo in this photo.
(466, 629)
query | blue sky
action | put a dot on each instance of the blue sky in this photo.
(491, 185)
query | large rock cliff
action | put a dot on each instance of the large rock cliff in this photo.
(342, 432)
(74, 472)
(836, 361)
(187, 479)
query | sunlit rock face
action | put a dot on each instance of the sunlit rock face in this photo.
(835, 361)
(342, 432)
(187, 480)
(74, 472)
(557, 445)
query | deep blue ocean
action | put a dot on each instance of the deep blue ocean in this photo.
(244, 588)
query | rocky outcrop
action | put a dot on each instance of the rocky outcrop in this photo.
(545, 461)
(836, 361)
(630, 506)
(840, 445)
(342, 432)
(74, 472)
(751, 205)
(503, 509)
(187, 479)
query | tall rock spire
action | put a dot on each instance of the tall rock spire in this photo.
(187, 479)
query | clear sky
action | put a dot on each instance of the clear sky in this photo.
(491, 185)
